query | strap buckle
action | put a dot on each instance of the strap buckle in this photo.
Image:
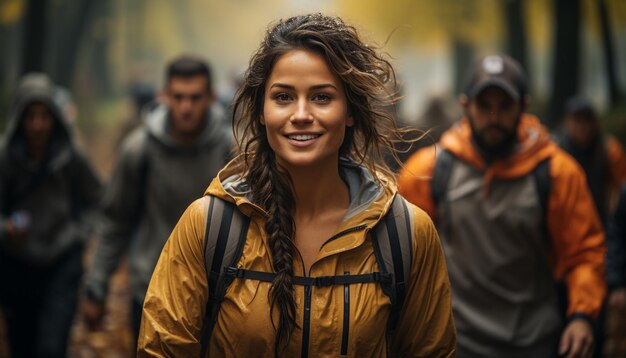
(233, 272)
(324, 281)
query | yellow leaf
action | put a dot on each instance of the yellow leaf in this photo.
(11, 11)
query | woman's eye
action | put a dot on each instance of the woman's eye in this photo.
(321, 97)
(282, 97)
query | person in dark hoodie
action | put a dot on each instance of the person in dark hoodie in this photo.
(48, 193)
(162, 167)
(599, 154)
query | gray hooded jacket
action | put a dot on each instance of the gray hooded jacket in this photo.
(155, 179)
(59, 194)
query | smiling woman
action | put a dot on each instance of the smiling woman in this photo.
(322, 242)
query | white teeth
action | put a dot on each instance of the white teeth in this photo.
(303, 137)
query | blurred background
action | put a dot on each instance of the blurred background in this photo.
(101, 50)
(108, 54)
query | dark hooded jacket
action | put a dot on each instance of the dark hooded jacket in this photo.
(155, 179)
(59, 193)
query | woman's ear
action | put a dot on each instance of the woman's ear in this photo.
(262, 120)
(349, 121)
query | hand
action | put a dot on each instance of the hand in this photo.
(577, 340)
(617, 299)
(92, 312)
(15, 235)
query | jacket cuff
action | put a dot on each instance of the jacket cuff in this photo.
(580, 315)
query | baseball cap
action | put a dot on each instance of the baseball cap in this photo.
(496, 70)
(580, 105)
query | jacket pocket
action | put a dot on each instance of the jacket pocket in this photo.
(346, 318)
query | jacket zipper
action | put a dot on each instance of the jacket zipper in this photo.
(306, 329)
(346, 318)
(307, 322)
(345, 232)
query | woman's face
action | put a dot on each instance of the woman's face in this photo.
(305, 111)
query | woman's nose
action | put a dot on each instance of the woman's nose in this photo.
(302, 112)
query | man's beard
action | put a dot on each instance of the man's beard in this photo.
(503, 148)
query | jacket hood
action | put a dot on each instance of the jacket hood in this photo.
(533, 146)
(157, 124)
(36, 88)
(370, 199)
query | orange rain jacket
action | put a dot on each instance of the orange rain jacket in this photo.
(176, 298)
(578, 248)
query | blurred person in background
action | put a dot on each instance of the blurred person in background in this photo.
(515, 216)
(600, 155)
(162, 166)
(437, 117)
(49, 194)
(142, 98)
(602, 158)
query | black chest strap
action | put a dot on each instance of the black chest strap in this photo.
(320, 281)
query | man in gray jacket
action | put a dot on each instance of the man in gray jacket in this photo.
(162, 167)
(48, 193)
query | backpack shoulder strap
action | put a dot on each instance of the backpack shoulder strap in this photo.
(225, 236)
(441, 174)
(392, 239)
(541, 174)
(605, 158)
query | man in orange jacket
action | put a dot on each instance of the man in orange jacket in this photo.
(515, 216)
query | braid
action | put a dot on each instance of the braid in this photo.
(274, 194)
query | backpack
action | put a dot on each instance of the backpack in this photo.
(223, 245)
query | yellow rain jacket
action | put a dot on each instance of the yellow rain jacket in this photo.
(177, 296)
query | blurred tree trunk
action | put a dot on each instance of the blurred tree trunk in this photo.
(33, 44)
(463, 53)
(609, 53)
(4, 60)
(5, 86)
(99, 60)
(516, 31)
(137, 23)
(566, 57)
(76, 24)
(181, 11)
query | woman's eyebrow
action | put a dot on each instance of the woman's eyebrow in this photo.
(314, 87)
(322, 86)
(282, 85)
